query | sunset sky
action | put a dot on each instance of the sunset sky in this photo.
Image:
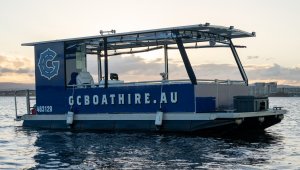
(273, 55)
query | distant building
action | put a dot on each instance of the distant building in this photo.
(289, 90)
(271, 89)
(263, 89)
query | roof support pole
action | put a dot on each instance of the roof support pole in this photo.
(105, 64)
(99, 66)
(166, 61)
(186, 60)
(238, 62)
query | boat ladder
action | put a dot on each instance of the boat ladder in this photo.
(29, 94)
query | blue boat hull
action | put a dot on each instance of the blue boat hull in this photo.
(179, 126)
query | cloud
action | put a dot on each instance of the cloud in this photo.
(275, 72)
(252, 57)
(15, 65)
(135, 68)
(217, 71)
(16, 69)
(270, 58)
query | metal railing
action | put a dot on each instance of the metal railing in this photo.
(155, 82)
(29, 96)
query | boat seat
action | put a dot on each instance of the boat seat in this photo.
(114, 80)
(84, 79)
(73, 78)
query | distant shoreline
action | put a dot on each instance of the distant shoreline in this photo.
(8, 93)
(11, 93)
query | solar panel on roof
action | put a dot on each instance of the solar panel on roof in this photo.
(190, 33)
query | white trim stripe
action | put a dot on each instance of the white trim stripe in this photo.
(151, 116)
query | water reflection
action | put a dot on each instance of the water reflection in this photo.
(88, 150)
(16, 148)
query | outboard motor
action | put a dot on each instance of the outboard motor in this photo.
(114, 76)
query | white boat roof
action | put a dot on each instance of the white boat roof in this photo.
(155, 37)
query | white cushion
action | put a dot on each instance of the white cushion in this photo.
(84, 78)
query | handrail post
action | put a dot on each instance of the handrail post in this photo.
(27, 101)
(105, 63)
(99, 66)
(166, 61)
(16, 109)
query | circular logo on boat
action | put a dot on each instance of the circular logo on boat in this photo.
(48, 67)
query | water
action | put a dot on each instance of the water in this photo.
(277, 148)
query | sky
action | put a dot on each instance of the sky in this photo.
(273, 55)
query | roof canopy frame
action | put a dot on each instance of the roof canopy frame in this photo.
(94, 52)
(229, 32)
(158, 38)
(137, 41)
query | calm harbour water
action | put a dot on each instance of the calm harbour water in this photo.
(20, 148)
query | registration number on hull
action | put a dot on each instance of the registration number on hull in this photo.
(44, 109)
